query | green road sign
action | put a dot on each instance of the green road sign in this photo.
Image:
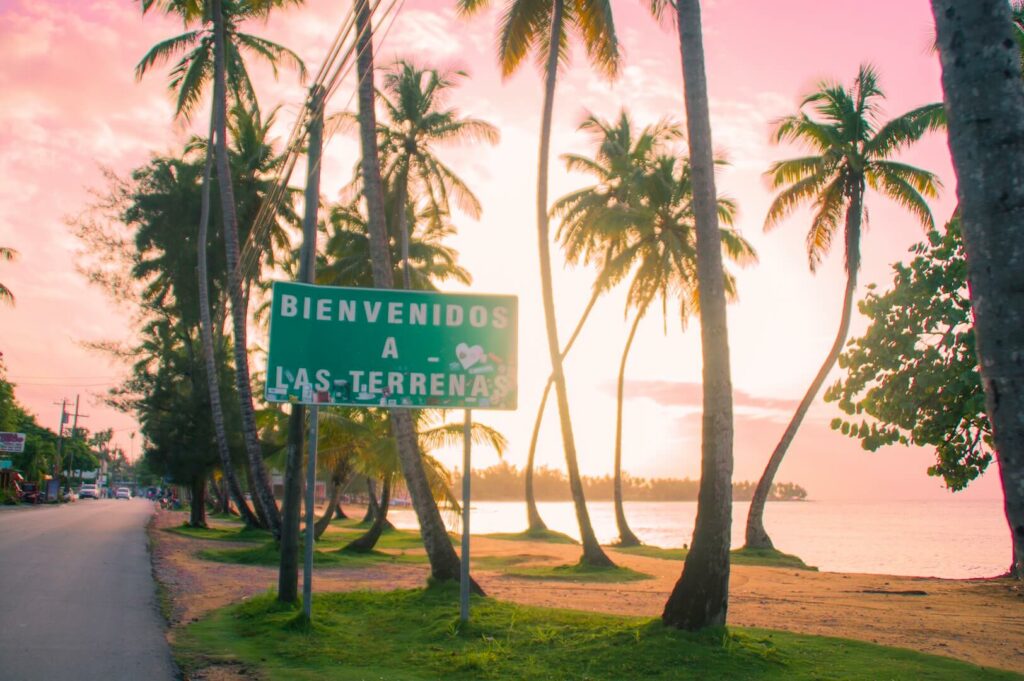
(379, 347)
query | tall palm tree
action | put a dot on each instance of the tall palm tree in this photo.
(413, 98)
(652, 231)
(852, 151)
(7, 254)
(444, 562)
(700, 597)
(616, 166)
(215, 50)
(542, 26)
(985, 126)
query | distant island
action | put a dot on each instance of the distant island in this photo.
(504, 482)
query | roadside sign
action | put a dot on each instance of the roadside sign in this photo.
(367, 347)
(6, 463)
(12, 442)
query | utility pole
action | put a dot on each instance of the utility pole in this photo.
(60, 443)
(288, 573)
(74, 435)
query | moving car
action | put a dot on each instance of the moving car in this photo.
(88, 491)
(123, 493)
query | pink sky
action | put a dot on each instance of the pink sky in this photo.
(71, 108)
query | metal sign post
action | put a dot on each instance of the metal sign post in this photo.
(307, 567)
(467, 446)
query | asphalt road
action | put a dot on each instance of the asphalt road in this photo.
(77, 598)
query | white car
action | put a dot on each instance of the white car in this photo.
(123, 493)
(88, 492)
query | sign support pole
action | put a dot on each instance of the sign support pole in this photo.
(307, 567)
(467, 445)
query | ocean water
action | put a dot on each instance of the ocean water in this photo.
(950, 538)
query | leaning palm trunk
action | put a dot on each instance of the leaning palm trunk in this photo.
(756, 536)
(592, 552)
(209, 357)
(371, 501)
(336, 485)
(626, 536)
(536, 523)
(981, 79)
(701, 596)
(261, 493)
(366, 542)
(444, 562)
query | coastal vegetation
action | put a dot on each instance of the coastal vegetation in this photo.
(504, 482)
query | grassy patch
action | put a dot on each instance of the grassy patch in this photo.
(548, 536)
(744, 556)
(240, 533)
(415, 635)
(579, 572)
(267, 554)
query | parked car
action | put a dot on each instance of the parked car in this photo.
(88, 491)
(123, 493)
(30, 493)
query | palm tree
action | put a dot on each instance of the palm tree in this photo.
(700, 597)
(538, 26)
(983, 133)
(444, 562)
(641, 212)
(216, 51)
(7, 254)
(413, 98)
(852, 151)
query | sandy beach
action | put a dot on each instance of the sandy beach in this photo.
(980, 621)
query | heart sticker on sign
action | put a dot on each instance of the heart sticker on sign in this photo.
(468, 356)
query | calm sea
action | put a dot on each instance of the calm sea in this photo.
(950, 538)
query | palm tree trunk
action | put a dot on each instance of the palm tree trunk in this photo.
(701, 596)
(262, 493)
(592, 552)
(366, 542)
(197, 509)
(220, 501)
(626, 536)
(756, 536)
(209, 355)
(444, 562)
(536, 523)
(981, 79)
(371, 501)
(337, 484)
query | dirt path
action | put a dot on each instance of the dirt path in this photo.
(981, 621)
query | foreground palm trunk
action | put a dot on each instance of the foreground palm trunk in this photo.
(981, 79)
(626, 536)
(197, 502)
(444, 562)
(261, 491)
(701, 596)
(209, 356)
(756, 536)
(536, 523)
(592, 552)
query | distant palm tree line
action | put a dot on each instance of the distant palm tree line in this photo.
(504, 482)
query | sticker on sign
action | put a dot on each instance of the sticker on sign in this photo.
(391, 348)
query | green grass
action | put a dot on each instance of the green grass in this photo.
(547, 536)
(239, 533)
(579, 572)
(267, 554)
(744, 556)
(415, 635)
